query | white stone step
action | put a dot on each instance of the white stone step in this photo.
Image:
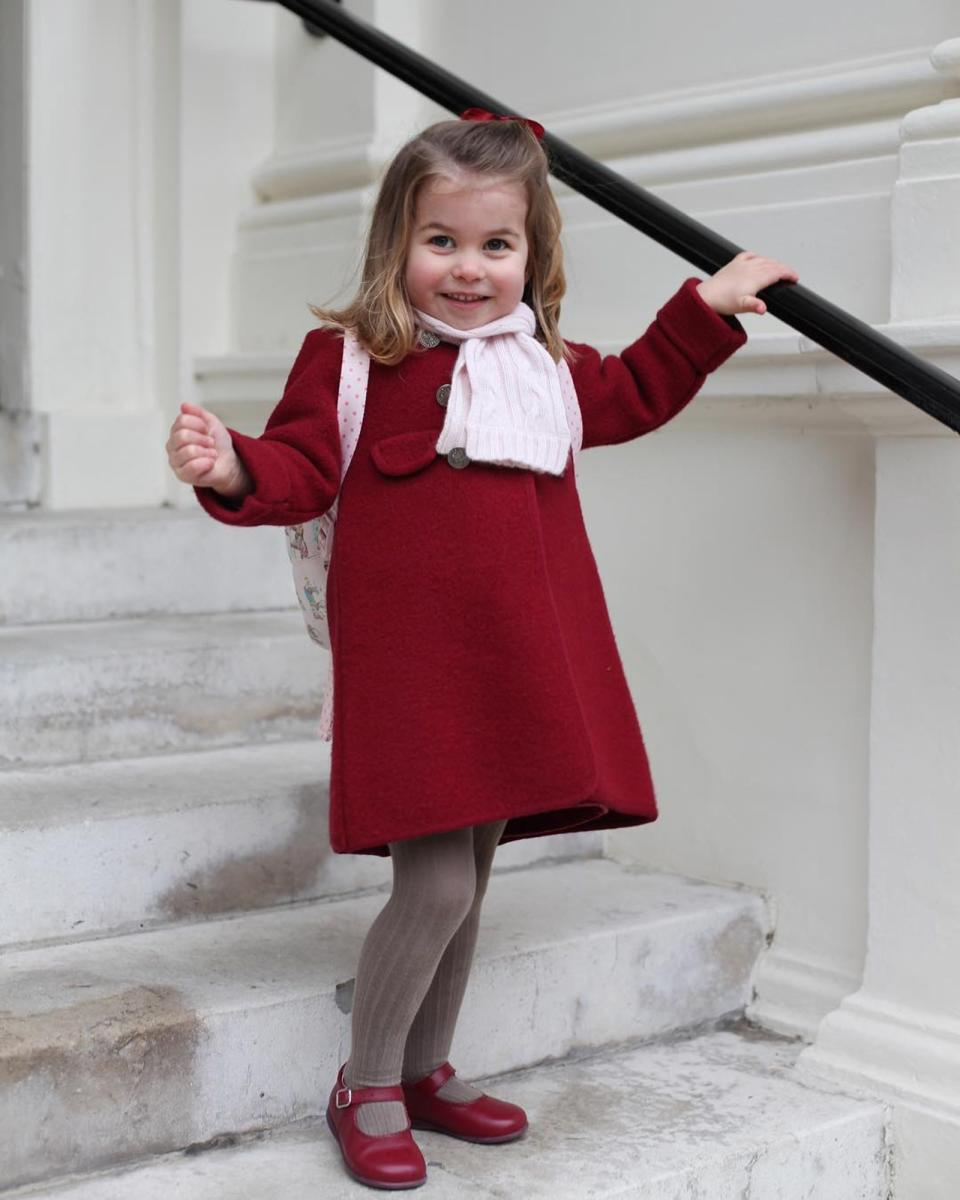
(116, 689)
(132, 1045)
(93, 564)
(88, 849)
(716, 1116)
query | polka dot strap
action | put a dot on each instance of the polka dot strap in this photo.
(572, 406)
(352, 397)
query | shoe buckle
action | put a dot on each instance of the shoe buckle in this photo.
(347, 1102)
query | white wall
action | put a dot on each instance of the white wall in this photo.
(738, 571)
(559, 57)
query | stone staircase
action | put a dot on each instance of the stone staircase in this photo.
(179, 942)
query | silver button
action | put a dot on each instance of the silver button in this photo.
(429, 339)
(443, 394)
(458, 457)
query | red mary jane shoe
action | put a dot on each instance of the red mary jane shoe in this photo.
(482, 1120)
(392, 1160)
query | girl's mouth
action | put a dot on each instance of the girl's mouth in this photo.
(464, 299)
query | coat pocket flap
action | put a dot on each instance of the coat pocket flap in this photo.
(405, 453)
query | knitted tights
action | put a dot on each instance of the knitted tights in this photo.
(413, 968)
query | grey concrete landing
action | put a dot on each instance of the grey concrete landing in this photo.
(88, 849)
(119, 1047)
(715, 1117)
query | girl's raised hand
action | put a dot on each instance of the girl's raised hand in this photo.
(733, 289)
(200, 451)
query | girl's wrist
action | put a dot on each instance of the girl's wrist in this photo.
(705, 294)
(238, 485)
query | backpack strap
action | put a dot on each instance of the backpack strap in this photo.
(352, 396)
(572, 405)
(351, 402)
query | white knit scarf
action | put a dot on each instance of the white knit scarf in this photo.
(507, 402)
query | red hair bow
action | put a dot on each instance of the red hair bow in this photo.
(481, 114)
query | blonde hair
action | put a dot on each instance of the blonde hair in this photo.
(381, 314)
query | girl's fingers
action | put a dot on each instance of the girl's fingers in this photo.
(195, 412)
(184, 437)
(196, 467)
(181, 432)
(190, 454)
(191, 447)
(181, 451)
(190, 422)
(758, 260)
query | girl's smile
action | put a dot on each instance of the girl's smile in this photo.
(467, 262)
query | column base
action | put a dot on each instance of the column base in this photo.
(911, 1060)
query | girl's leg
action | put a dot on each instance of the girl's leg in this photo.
(431, 1034)
(434, 885)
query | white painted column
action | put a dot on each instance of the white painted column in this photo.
(95, 242)
(142, 123)
(19, 433)
(338, 120)
(899, 1034)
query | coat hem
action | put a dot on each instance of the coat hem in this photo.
(596, 815)
(381, 847)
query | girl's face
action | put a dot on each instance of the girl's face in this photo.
(467, 259)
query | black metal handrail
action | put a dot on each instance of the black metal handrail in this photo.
(923, 384)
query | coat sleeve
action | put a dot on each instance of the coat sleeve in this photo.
(295, 463)
(626, 395)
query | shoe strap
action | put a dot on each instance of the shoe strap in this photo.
(433, 1082)
(345, 1096)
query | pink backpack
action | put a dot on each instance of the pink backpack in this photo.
(310, 545)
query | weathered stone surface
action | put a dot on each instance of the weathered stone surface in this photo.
(115, 689)
(254, 1011)
(94, 848)
(715, 1117)
(126, 562)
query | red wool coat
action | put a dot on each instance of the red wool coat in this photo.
(476, 676)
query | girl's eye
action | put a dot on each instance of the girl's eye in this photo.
(438, 238)
(498, 244)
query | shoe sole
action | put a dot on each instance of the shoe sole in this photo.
(465, 1137)
(362, 1179)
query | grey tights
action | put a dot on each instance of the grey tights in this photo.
(414, 965)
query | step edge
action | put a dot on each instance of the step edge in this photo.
(865, 1110)
(749, 903)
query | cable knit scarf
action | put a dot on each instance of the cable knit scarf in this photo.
(509, 401)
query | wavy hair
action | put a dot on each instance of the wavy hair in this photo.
(381, 313)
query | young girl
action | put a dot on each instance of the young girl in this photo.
(479, 696)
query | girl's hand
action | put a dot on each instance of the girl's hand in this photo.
(733, 289)
(200, 451)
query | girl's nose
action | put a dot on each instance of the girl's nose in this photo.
(468, 268)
